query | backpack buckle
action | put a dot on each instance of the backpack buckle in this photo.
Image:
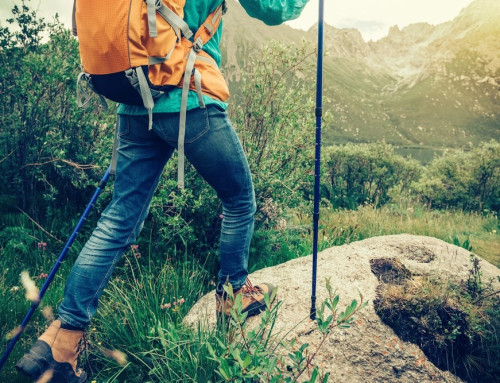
(198, 45)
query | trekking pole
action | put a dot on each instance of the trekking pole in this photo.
(53, 272)
(317, 158)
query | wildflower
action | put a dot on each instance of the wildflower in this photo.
(138, 255)
(181, 301)
(221, 216)
(48, 313)
(11, 334)
(134, 247)
(14, 289)
(42, 245)
(31, 289)
(117, 355)
(43, 275)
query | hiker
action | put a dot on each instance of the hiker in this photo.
(212, 147)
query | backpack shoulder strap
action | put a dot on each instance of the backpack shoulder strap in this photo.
(210, 25)
(175, 21)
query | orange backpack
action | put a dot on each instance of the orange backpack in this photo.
(134, 50)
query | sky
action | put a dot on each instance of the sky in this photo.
(372, 18)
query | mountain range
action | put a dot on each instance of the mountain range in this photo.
(422, 86)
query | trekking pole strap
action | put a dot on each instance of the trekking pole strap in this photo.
(318, 112)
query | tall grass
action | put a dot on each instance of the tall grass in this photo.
(344, 226)
(141, 315)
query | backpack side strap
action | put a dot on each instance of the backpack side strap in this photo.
(204, 33)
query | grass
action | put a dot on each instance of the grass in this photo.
(134, 316)
(345, 226)
(455, 325)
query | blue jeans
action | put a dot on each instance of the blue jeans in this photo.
(213, 148)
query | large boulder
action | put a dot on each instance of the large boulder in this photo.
(370, 350)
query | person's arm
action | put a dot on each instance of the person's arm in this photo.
(274, 12)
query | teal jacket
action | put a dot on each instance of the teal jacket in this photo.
(271, 12)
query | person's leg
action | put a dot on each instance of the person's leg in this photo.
(214, 149)
(141, 158)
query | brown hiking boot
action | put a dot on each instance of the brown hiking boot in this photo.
(252, 299)
(57, 350)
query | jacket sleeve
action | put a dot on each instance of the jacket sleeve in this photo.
(274, 12)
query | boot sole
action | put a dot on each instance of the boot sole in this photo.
(255, 309)
(39, 359)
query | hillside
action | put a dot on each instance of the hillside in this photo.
(421, 86)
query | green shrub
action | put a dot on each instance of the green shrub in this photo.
(49, 146)
(357, 174)
(275, 121)
(184, 221)
(262, 355)
(467, 180)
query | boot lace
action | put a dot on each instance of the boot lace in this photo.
(83, 346)
(249, 289)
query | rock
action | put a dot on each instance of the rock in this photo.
(369, 351)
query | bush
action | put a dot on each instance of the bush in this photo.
(184, 221)
(275, 121)
(255, 355)
(357, 174)
(467, 180)
(48, 145)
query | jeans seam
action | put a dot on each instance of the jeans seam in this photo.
(125, 129)
(117, 254)
(173, 140)
(249, 192)
(204, 131)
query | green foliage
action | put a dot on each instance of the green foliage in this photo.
(275, 121)
(365, 173)
(141, 315)
(467, 180)
(465, 244)
(455, 325)
(474, 283)
(257, 354)
(48, 145)
(185, 221)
